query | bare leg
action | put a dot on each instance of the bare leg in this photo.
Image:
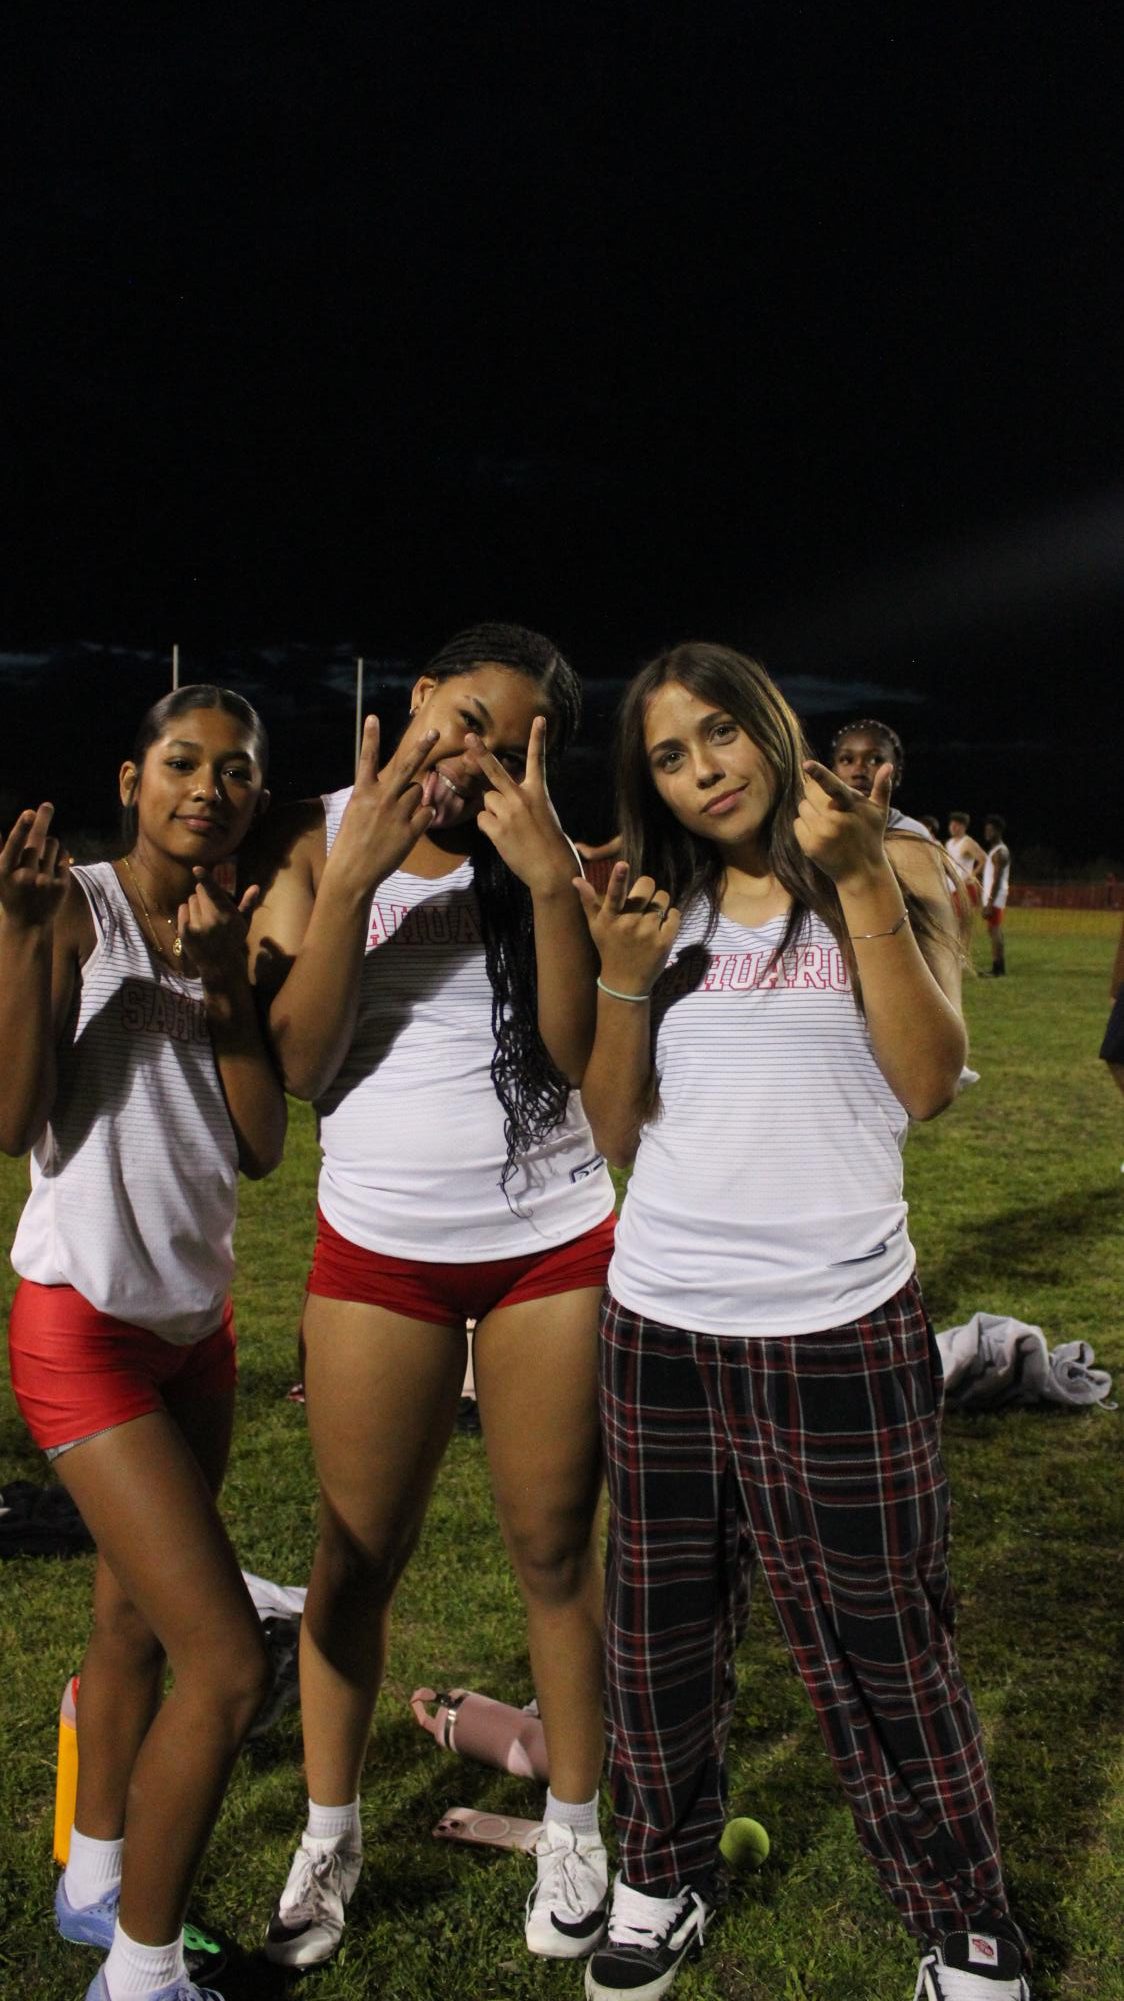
(381, 1393)
(123, 1668)
(145, 1499)
(536, 1380)
(1116, 1072)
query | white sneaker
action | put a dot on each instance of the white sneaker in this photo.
(307, 1925)
(566, 1909)
(649, 1938)
(972, 1966)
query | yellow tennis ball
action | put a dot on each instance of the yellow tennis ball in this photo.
(744, 1843)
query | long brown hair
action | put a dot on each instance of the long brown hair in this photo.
(655, 843)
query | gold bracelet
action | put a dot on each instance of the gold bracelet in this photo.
(860, 936)
(615, 995)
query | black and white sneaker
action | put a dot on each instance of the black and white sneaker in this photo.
(566, 1908)
(649, 1938)
(972, 1966)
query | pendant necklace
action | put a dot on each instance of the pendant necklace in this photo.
(176, 941)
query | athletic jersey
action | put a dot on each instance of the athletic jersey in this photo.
(767, 1192)
(134, 1178)
(958, 848)
(998, 901)
(411, 1127)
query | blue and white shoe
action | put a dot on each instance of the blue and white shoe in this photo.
(566, 1910)
(180, 1990)
(972, 1966)
(92, 1924)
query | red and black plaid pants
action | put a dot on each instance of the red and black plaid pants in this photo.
(816, 1458)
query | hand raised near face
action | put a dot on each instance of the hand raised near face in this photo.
(388, 811)
(518, 816)
(34, 872)
(839, 830)
(633, 928)
(213, 929)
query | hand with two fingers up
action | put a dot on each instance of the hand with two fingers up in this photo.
(389, 810)
(633, 927)
(518, 816)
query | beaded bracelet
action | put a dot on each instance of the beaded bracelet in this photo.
(891, 933)
(615, 995)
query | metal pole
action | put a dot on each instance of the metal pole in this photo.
(175, 666)
(358, 709)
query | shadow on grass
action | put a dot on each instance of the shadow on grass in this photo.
(1040, 1242)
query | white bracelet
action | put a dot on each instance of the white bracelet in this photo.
(615, 995)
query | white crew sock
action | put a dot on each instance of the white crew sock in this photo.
(334, 1824)
(92, 1868)
(580, 1815)
(134, 1970)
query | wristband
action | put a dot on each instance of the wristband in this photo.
(614, 994)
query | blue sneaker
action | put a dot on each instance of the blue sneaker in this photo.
(92, 1924)
(180, 1990)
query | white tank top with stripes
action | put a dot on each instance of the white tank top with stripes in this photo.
(767, 1192)
(411, 1127)
(134, 1178)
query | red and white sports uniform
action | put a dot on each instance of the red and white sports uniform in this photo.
(411, 1129)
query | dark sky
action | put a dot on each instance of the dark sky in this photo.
(792, 325)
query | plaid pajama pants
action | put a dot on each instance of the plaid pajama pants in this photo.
(818, 1459)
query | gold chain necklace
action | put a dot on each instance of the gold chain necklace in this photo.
(176, 940)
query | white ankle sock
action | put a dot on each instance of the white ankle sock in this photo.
(134, 1970)
(334, 1823)
(92, 1868)
(580, 1815)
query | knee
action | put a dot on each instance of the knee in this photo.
(122, 1636)
(229, 1679)
(360, 1571)
(555, 1564)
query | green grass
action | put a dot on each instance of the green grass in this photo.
(1017, 1205)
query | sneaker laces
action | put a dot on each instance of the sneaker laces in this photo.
(957, 1985)
(320, 1881)
(638, 1919)
(566, 1877)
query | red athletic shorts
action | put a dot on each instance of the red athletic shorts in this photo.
(76, 1371)
(993, 918)
(448, 1295)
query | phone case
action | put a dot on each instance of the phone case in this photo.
(488, 1830)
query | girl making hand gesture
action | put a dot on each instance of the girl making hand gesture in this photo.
(772, 1010)
(135, 1070)
(432, 983)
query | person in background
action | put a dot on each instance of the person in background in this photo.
(966, 853)
(857, 752)
(994, 888)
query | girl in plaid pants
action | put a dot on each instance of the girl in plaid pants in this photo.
(776, 1001)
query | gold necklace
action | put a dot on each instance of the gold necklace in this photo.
(176, 941)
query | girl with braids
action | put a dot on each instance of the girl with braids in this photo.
(136, 1070)
(773, 1005)
(431, 980)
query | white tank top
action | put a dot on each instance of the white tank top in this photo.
(411, 1128)
(767, 1192)
(958, 849)
(1000, 897)
(134, 1178)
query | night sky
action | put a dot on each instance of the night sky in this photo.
(793, 326)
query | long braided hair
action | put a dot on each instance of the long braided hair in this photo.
(530, 1087)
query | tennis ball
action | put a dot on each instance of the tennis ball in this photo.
(744, 1843)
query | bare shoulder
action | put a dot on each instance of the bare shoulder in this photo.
(289, 841)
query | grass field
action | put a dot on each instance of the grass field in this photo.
(1017, 1205)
